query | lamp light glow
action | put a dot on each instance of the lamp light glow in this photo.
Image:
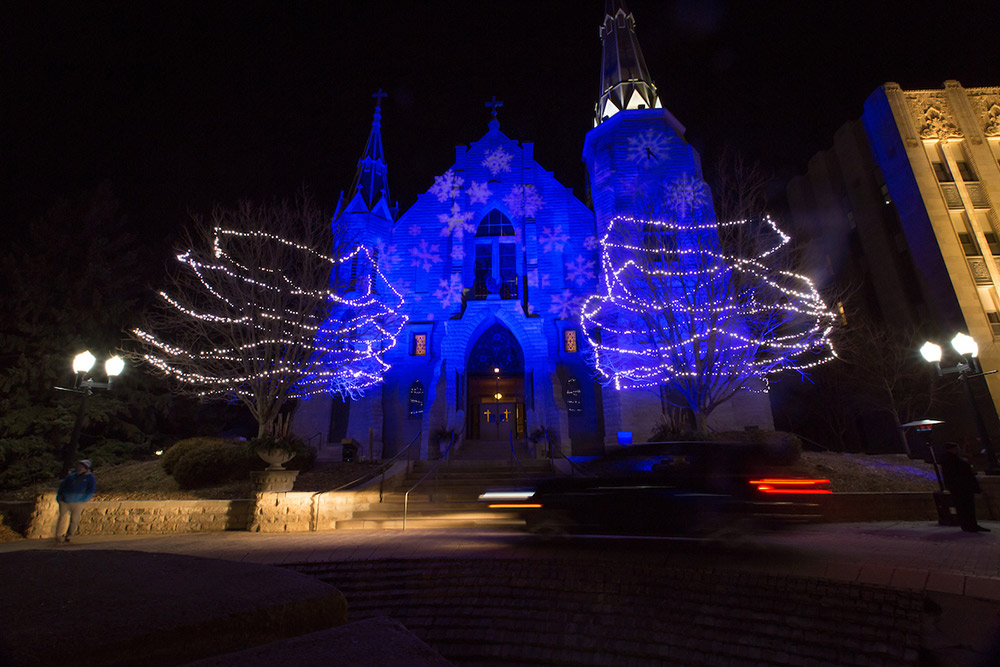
(931, 352)
(83, 362)
(965, 345)
(114, 366)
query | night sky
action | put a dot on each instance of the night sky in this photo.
(180, 105)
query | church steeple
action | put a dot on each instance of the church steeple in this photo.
(371, 181)
(625, 81)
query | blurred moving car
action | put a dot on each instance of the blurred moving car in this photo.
(680, 488)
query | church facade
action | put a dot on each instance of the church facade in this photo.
(494, 262)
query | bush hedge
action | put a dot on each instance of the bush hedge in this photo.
(180, 448)
(210, 463)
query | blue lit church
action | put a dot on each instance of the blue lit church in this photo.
(494, 262)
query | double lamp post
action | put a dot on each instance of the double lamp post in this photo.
(968, 368)
(85, 385)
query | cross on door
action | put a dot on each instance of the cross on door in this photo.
(488, 414)
(506, 416)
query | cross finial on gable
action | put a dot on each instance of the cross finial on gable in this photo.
(378, 95)
(495, 104)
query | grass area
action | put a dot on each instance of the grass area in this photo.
(146, 480)
(139, 480)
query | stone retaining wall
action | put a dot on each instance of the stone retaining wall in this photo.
(142, 517)
(303, 511)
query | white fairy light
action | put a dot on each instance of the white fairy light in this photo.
(337, 350)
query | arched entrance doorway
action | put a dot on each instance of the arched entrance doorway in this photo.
(496, 387)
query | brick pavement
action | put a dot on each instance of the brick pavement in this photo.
(910, 555)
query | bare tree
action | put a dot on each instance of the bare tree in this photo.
(701, 309)
(267, 306)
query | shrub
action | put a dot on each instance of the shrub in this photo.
(180, 448)
(210, 463)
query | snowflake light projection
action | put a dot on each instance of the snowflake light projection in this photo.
(553, 239)
(456, 222)
(479, 193)
(678, 309)
(252, 333)
(523, 201)
(450, 291)
(497, 160)
(579, 270)
(388, 258)
(687, 195)
(425, 255)
(590, 243)
(414, 230)
(447, 186)
(647, 148)
(566, 304)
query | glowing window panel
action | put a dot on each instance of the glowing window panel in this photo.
(569, 338)
(419, 345)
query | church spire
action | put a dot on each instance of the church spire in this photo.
(371, 180)
(625, 81)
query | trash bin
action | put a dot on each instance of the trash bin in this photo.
(350, 451)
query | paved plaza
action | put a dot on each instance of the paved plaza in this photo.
(956, 574)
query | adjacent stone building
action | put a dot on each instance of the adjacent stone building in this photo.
(904, 207)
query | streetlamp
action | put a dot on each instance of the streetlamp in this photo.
(966, 369)
(84, 385)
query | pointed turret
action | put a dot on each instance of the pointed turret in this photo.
(625, 81)
(370, 188)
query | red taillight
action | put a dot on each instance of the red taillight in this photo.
(782, 485)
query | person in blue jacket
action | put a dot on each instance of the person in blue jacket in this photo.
(74, 492)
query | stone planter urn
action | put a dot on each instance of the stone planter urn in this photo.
(275, 479)
(275, 458)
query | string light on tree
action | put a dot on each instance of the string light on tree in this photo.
(264, 319)
(692, 311)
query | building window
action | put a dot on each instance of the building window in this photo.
(569, 340)
(574, 395)
(968, 244)
(416, 400)
(418, 345)
(495, 268)
(495, 223)
(942, 173)
(966, 171)
(993, 242)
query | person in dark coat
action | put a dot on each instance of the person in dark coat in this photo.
(961, 482)
(74, 492)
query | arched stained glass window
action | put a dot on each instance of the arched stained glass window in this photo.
(416, 400)
(495, 223)
(573, 395)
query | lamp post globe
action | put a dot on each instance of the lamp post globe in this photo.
(931, 352)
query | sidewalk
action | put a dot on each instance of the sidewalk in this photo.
(910, 555)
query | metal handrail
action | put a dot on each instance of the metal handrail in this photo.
(444, 457)
(381, 469)
(572, 464)
(513, 455)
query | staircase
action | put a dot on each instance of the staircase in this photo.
(449, 498)
(569, 612)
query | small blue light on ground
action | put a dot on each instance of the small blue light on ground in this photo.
(624, 438)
